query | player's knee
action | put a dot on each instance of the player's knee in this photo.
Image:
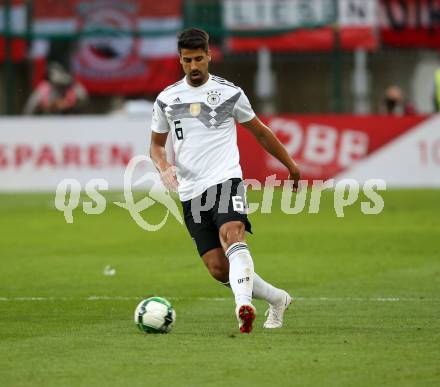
(231, 233)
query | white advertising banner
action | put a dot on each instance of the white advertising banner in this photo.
(275, 14)
(37, 153)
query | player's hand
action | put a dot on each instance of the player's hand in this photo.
(294, 176)
(169, 178)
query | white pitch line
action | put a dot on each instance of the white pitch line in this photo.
(331, 299)
(221, 299)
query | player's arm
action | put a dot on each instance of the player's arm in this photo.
(159, 156)
(157, 151)
(270, 142)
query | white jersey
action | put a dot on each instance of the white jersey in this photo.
(204, 136)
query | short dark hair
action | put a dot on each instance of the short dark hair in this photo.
(192, 39)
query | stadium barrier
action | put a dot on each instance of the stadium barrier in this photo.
(37, 153)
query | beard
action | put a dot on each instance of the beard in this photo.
(196, 78)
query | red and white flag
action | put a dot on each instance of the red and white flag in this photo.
(124, 48)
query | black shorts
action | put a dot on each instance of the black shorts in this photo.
(206, 213)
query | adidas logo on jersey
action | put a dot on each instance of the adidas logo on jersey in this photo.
(177, 100)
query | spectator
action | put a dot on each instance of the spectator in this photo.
(394, 102)
(59, 94)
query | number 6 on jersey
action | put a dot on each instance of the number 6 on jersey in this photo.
(238, 203)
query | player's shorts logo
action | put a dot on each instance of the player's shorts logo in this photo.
(213, 97)
(195, 109)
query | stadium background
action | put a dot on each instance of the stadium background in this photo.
(367, 307)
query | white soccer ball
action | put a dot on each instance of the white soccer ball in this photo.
(155, 315)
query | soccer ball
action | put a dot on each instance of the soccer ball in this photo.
(155, 315)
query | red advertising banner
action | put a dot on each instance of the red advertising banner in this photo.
(410, 23)
(125, 48)
(320, 39)
(323, 146)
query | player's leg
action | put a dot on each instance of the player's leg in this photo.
(218, 266)
(278, 299)
(229, 214)
(234, 232)
(241, 266)
(263, 290)
(241, 271)
(244, 285)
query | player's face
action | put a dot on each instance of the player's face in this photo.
(195, 65)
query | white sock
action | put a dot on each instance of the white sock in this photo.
(241, 272)
(263, 290)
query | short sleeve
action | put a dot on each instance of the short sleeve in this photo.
(159, 123)
(243, 111)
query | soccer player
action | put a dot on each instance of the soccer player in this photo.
(199, 112)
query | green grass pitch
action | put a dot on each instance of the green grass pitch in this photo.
(367, 309)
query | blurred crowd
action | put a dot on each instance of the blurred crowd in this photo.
(59, 93)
